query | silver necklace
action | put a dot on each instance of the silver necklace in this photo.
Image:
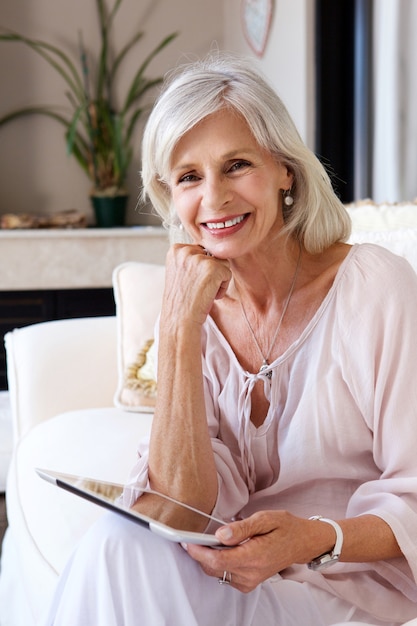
(265, 358)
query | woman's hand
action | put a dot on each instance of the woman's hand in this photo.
(265, 544)
(269, 541)
(194, 280)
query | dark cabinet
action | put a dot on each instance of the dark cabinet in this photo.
(21, 308)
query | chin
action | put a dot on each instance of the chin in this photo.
(223, 253)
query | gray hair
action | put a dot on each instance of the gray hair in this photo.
(317, 217)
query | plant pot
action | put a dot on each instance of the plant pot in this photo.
(109, 211)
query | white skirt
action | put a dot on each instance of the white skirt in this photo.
(123, 575)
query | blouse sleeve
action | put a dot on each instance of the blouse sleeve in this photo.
(379, 345)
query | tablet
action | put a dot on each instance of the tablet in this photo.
(109, 496)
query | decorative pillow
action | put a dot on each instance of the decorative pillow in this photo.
(141, 375)
(138, 289)
(393, 226)
(402, 242)
(368, 216)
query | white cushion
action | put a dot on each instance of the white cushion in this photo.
(393, 226)
(98, 443)
(402, 242)
(138, 289)
(369, 216)
(47, 361)
(6, 443)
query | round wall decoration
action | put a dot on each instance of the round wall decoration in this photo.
(256, 20)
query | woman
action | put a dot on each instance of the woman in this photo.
(284, 387)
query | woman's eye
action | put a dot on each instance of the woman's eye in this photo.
(238, 165)
(187, 178)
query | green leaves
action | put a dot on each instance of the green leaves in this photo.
(98, 136)
(54, 56)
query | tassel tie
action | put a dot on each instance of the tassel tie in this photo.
(245, 424)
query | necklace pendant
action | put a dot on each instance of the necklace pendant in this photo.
(264, 367)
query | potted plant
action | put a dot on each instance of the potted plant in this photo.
(98, 134)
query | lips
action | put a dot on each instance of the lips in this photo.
(229, 223)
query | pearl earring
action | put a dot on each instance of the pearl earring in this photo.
(288, 198)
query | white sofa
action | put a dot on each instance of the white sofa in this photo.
(72, 412)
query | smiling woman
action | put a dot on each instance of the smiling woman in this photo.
(282, 374)
(224, 186)
(180, 110)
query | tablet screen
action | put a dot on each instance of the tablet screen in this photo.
(160, 513)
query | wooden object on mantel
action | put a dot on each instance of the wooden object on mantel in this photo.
(74, 258)
(62, 219)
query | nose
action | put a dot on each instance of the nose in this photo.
(217, 192)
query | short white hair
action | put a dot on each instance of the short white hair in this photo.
(317, 217)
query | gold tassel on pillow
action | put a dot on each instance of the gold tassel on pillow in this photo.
(140, 375)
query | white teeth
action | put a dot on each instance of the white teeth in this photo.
(227, 224)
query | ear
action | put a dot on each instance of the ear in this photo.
(290, 178)
(286, 176)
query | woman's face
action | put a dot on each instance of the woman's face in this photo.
(226, 188)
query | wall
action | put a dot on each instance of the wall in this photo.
(288, 61)
(35, 173)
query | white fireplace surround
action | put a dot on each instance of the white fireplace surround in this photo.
(74, 258)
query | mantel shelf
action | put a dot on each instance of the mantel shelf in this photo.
(74, 258)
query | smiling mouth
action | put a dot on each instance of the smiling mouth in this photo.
(227, 224)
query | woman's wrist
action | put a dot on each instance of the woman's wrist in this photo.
(329, 557)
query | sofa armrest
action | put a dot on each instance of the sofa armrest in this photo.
(59, 366)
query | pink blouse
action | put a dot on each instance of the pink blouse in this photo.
(340, 435)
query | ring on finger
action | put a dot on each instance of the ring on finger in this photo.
(226, 580)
